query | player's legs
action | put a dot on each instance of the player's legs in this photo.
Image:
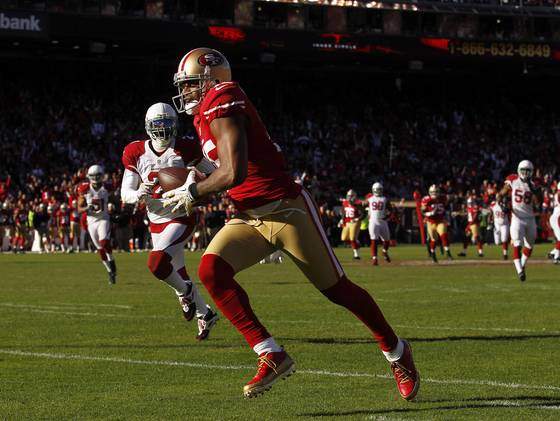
(476, 238)
(504, 238)
(304, 240)
(432, 237)
(167, 263)
(528, 239)
(517, 233)
(385, 235)
(497, 235)
(374, 237)
(441, 229)
(235, 247)
(354, 243)
(103, 233)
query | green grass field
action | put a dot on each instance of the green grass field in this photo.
(73, 347)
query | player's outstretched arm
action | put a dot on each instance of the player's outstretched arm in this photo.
(503, 193)
(231, 137)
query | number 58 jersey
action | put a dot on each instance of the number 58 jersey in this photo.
(521, 197)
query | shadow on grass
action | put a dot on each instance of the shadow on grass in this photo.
(349, 341)
(531, 402)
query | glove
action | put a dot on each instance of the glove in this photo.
(182, 196)
(431, 213)
(145, 190)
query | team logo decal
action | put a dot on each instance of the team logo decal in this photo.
(210, 59)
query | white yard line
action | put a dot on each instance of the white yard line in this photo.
(62, 306)
(465, 382)
(47, 309)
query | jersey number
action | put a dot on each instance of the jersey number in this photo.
(522, 197)
(377, 206)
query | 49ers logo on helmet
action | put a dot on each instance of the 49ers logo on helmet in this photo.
(210, 59)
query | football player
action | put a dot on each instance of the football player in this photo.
(63, 227)
(379, 209)
(352, 209)
(93, 198)
(555, 223)
(275, 213)
(500, 218)
(170, 230)
(525, 196)
(433, 208)
(74, 226)
(472, 231)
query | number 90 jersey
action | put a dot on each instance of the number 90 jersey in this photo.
(521, 197)
(97, 200)
(377, 208)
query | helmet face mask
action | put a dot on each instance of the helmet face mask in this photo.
(161, 125)
(95, 174)
(199, 70)
(525, 170)
(377, 189)
(351, 195)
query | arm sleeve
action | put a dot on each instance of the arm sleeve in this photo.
(129, 187)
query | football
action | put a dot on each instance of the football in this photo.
(172, 177)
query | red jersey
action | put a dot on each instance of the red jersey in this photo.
(352, 210)
(74, 215)
(63, 218)
(267, 179)
(436, 207)
(473, 214)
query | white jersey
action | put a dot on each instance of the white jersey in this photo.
(521, 197)
(97, 200)
(377, 209)
(140, 158)
(556, 202)
(500, 217)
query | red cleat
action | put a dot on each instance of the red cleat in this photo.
(374, 262)
(271, 367)
(408, 379)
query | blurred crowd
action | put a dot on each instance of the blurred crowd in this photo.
(344, 139)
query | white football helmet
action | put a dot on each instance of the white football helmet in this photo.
(199, 70)
(433, 191)
(351, 195)
(95, 174)
(161, 124)
(525, 170)
(377, 189)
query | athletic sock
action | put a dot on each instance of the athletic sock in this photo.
(268, 345)
(396, 353)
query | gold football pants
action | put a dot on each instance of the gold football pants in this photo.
(291, 225)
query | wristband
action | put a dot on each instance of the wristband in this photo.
(193, 191)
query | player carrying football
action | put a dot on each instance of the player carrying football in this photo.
(275, 213)
(93, 199)
(169, 230)
(433, 209)
(379, 208)
(523, 229)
